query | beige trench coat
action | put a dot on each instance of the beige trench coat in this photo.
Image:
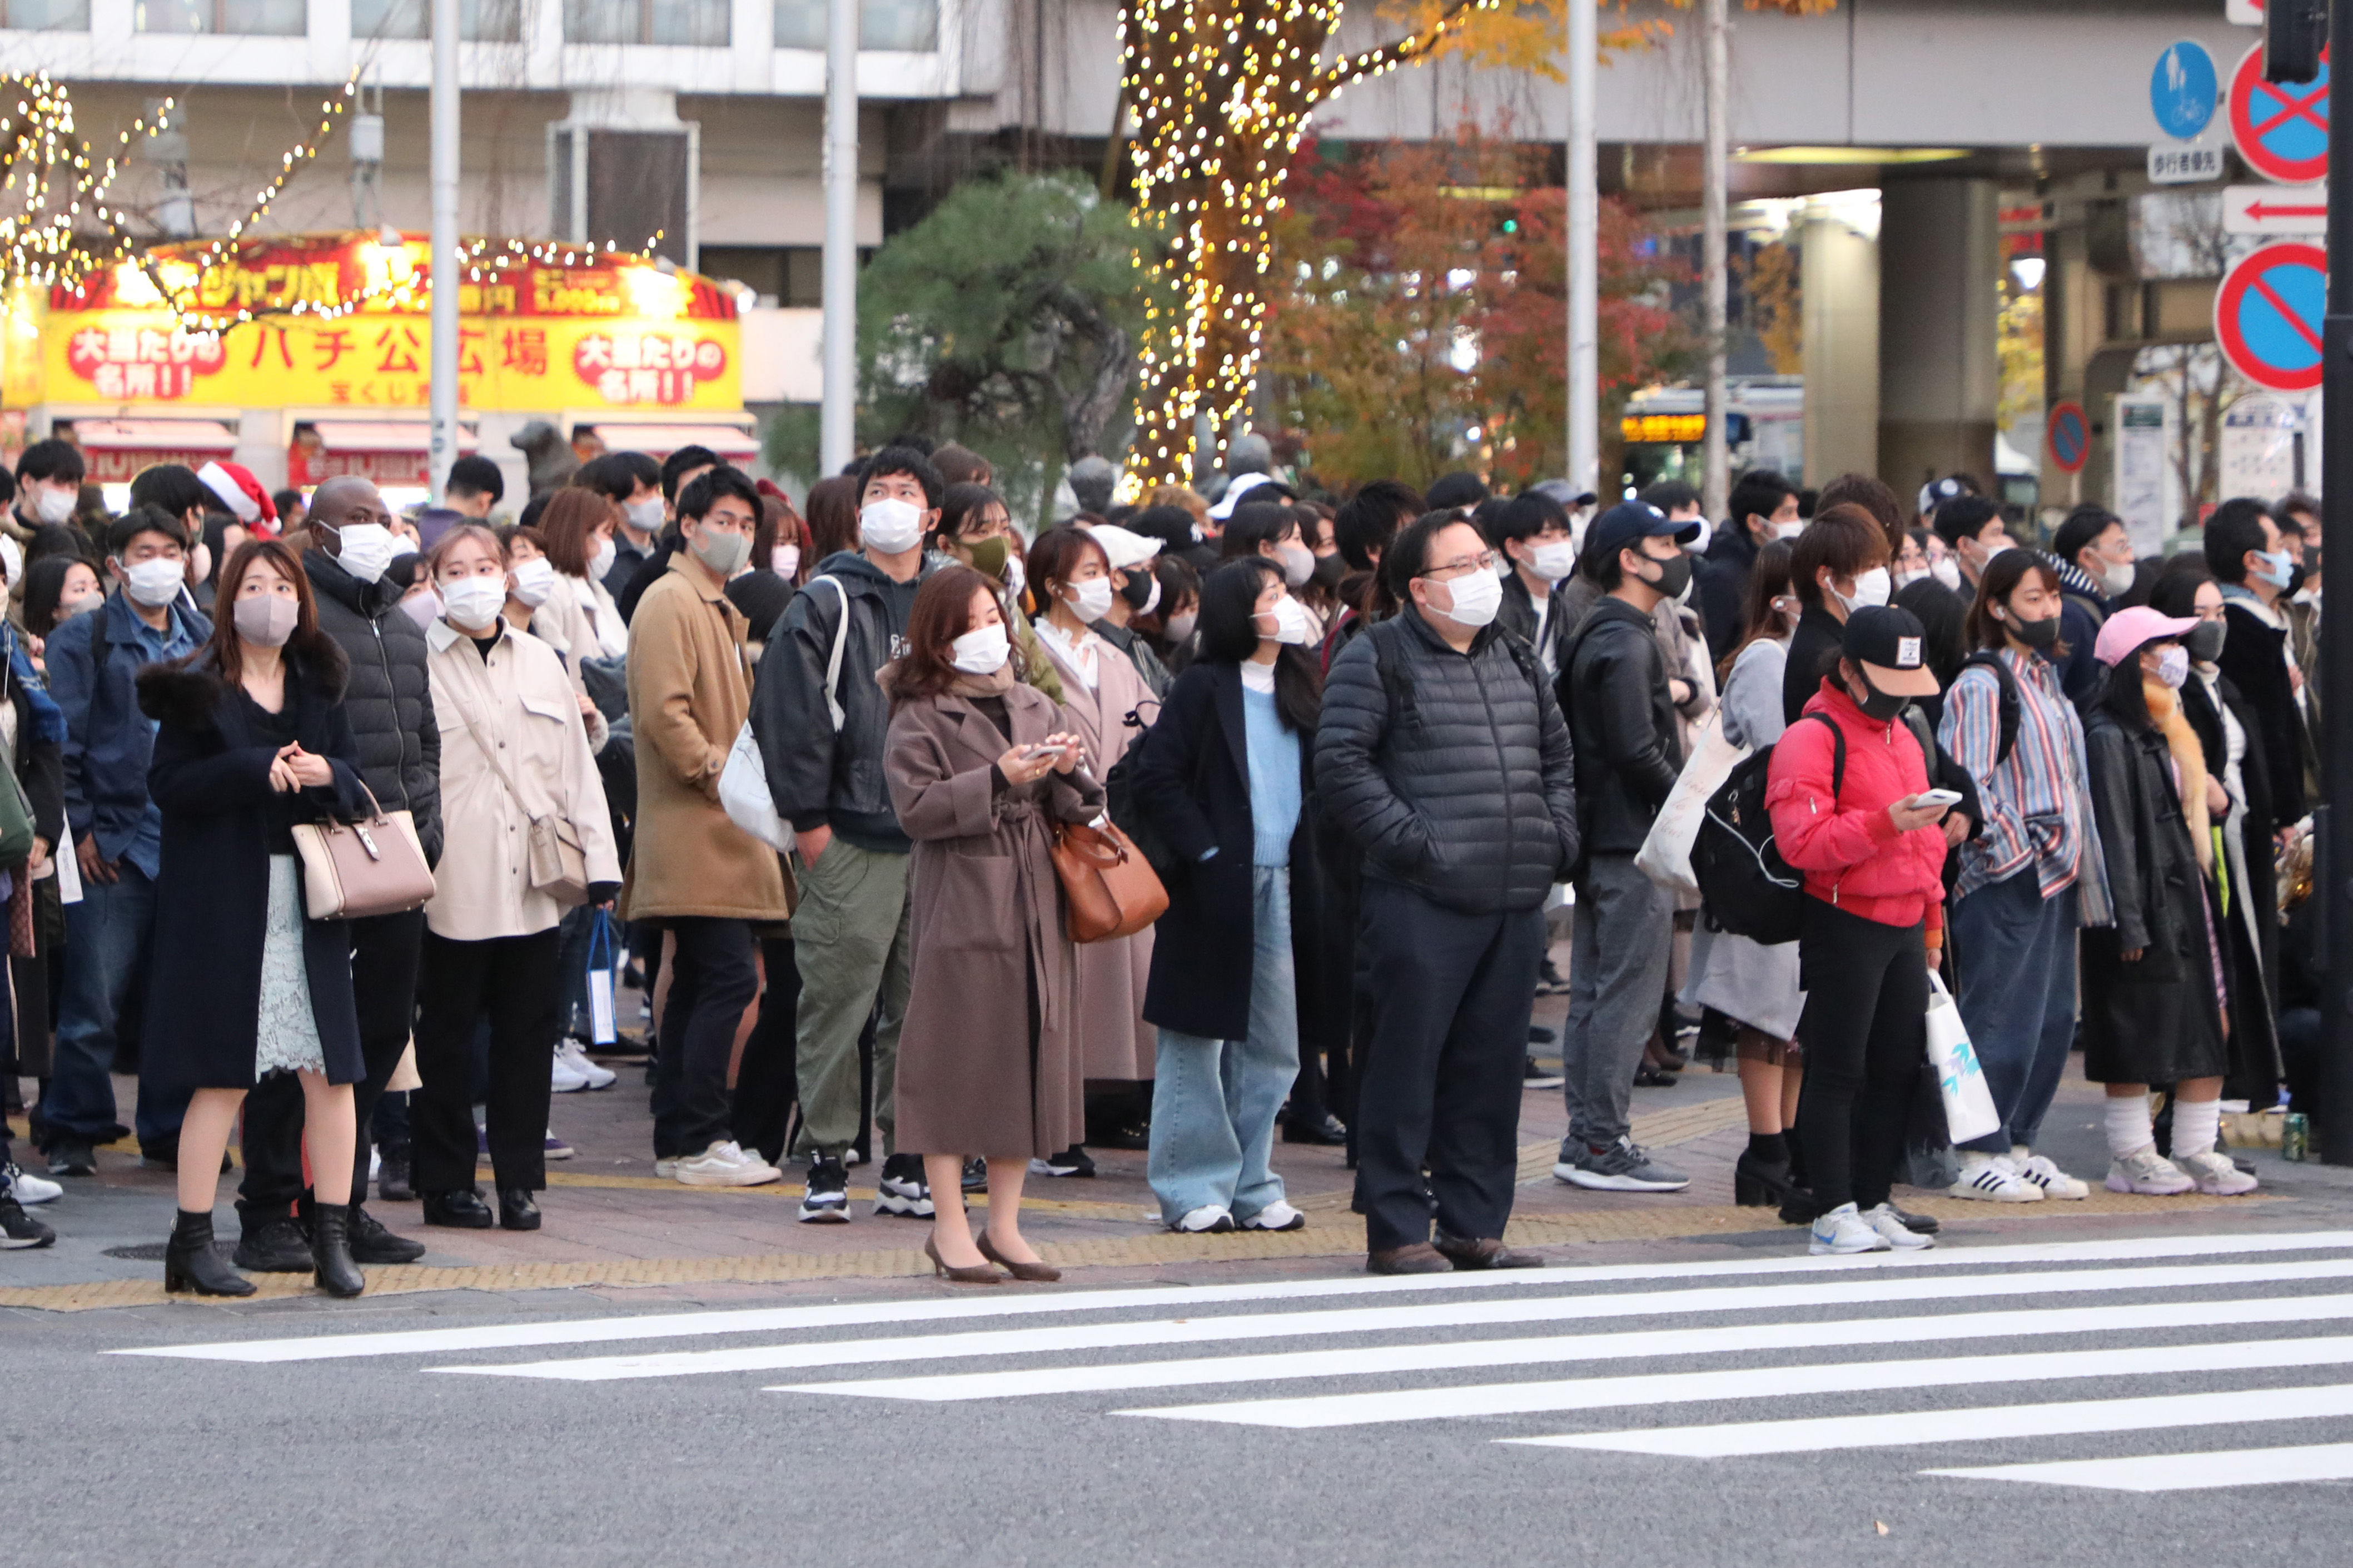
(973, 1076)
(689, 692)
(1116, 1043)
(520, 703)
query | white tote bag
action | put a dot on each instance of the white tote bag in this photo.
(1666, 855)
(1960, 1077)
(744, 793)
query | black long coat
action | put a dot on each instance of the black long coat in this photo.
(210, 777)
(2254, 962)
(1192, 778)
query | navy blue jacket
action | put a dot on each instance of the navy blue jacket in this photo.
(108, 741)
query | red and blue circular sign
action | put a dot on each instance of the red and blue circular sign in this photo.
(2281, 128)
(2268, 312)
(2069, 433)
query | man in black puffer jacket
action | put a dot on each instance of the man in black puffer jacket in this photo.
(1442, 755)
(390, 707)
(1614, 683)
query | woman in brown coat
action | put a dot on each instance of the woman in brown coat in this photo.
(989, 1063)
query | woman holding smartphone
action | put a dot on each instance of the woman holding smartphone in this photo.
(1848, 790)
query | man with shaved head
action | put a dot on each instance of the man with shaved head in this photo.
(358, 570)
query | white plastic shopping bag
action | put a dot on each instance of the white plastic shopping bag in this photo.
(1666, 855)
(1968, 1099)
(603, 960)
(744, 793)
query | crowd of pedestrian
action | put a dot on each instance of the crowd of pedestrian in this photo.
(827, 782)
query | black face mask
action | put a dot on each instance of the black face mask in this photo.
(1137, 589)
(2040, 635)
(2294, 581)
(1879, 707)
(2204, 641)
(1673, 576)
(1330, 570)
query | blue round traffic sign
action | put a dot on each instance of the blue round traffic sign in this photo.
(2182, 89)
(2267, 316)
(2281, 128)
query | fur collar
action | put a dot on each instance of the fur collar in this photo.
(189, 693)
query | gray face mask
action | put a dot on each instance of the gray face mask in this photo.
(722, 550)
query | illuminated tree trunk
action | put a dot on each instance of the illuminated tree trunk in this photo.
(1222, 91)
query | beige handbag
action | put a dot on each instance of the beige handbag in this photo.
(354, 869)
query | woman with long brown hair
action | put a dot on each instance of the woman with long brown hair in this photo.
(988, 1065)
(252, 739)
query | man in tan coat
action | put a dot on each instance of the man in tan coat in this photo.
(690, 870)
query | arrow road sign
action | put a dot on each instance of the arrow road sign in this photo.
(2069, 432)
(2281, 128)
(2267, 316)
(2275, 209)
(2182, 89)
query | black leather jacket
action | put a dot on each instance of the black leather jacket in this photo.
(1622, 719)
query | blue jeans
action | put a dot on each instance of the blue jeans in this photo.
(2015, 951)
(109, 935)
(1213, 1102)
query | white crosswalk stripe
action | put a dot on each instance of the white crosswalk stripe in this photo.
(1820, 1348)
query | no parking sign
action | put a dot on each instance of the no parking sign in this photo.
(2068, 434)
(2281, 129)
(2267, 316)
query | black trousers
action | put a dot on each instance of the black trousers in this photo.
(1451, 996)
(712, 981)
(1865, 1031)
(383, 985)
(767, 1081)
(514, 981)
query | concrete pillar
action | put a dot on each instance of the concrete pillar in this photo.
(1939, 299)
(1839, 285)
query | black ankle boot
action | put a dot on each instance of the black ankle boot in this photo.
(191, 1263)
(332, 1270)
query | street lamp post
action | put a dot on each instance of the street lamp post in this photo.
(2333, 881)
(1584, 234)
(443, 269)
(837, 414)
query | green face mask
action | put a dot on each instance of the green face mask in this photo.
(989, 556)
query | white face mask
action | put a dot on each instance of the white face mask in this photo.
(602, 561)
(1475, 597)
(81, 607)
(1017, 577)
(2116, 578)
(367, 549)
(472, 604)
(1293, 624)
(1906, 578)
(2173, 665)
(1870, 589)
(423, 608)
(981, 652)
(890, 526)
(784, 560)
(1948, 571)
(645, 516)
(1180, 627)
(534, 580)
(154, 582)
(1788, 529)
(1090, 601)
(55, 506)
(1298, 564)
(1554, 560)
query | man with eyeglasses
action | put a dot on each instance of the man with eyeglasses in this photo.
(1443, 756)
(1622, 718)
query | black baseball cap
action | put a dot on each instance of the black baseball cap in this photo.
(1627, 525)
(1891, 646)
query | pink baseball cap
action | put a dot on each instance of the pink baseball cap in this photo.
(2127, 630)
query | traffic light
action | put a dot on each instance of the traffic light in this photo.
(2293, 34)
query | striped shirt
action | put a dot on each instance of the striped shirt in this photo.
(2033, 801)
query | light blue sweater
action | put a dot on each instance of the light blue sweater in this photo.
(1273, 779)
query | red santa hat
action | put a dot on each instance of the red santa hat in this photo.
(240, 492)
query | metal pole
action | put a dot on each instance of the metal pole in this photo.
(838, 421)
(444, 266)
(1716, 491)
(2333, 1118)
(1584, 262)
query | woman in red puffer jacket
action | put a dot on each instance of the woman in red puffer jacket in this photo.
(1873, 854)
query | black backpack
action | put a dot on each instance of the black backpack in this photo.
(1750, 890)
(2007, 705)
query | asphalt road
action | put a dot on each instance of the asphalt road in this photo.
(1721, 1402)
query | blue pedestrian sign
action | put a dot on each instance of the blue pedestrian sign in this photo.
(2183, 90)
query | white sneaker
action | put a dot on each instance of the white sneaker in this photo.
(1842, 1230)
(2148, 1173)
(2214, 1173)
(27, 1188)
(563, 1078)
(1207, 1217)
(665, 1166)
(569, 1051)
(1990, 1179)
(1276, 1216)
(1899, 1236)
(724, 1165)
(2055, 1182)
